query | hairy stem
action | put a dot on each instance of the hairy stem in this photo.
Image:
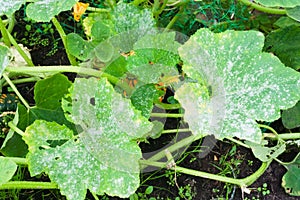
(163, 115)
(15, 128)
(283, 136)
(20, 50)
(263, 9)
(17, 160)
(63, 37)
(240, 182)
(28, 185)
(12, 85)
(4, 33)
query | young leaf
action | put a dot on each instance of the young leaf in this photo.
(291, 117)
(50, 91)
(246, 84)
(8, 169)
(285, 43)
(79, 47)
(143, 97)
(8, 7)
(279, 3)
(294, 13)
(291, 179)
(149, 65)
(264, 153)
(48, 94)
(45, 10)
(286, 21)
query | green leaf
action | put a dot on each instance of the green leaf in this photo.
(13, 145)
(127, 17)
(48, 95)
(143, 97)
(291, 117)
(104, 51)
(291, 179)
(151, 64)
(286, 21)
(279, 3)
(8, 7)
(45, 10)
(100, 31)
(4, 59)
(294, 13)
(103, 157)
(266, 154)
(162, 41)
(285, 43)
(48, 92)
(79, 47)
(246, 84)
(8, 169)
(156, 130)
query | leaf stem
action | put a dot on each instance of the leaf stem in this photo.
(263, 9)
(99, 10)
(28, 185)
(4, 33)
(178, 145)
(95, 196)
(175, 18)
(241, 182)
(15, 128)
(24, 80)
(283, 136)
(18, 160)
(238, 142)
(12, 85)
(168, 106)
(63, 37)
(20, 50)
(163, 115)
(54, 69)
(175, 130)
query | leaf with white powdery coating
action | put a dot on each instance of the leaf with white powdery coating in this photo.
(8, 7)
(45, 10)
(103, 157)
(246, 84)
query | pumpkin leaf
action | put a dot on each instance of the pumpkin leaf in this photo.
(291, 179)
(291, 117)
(9, 7)
(8, 169)
(103, 156)
(236, 84)
(294, 13)
(45, 10)
(285, 44)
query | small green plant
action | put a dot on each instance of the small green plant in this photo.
(186, 192)
(264, 189)
(144, 195)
